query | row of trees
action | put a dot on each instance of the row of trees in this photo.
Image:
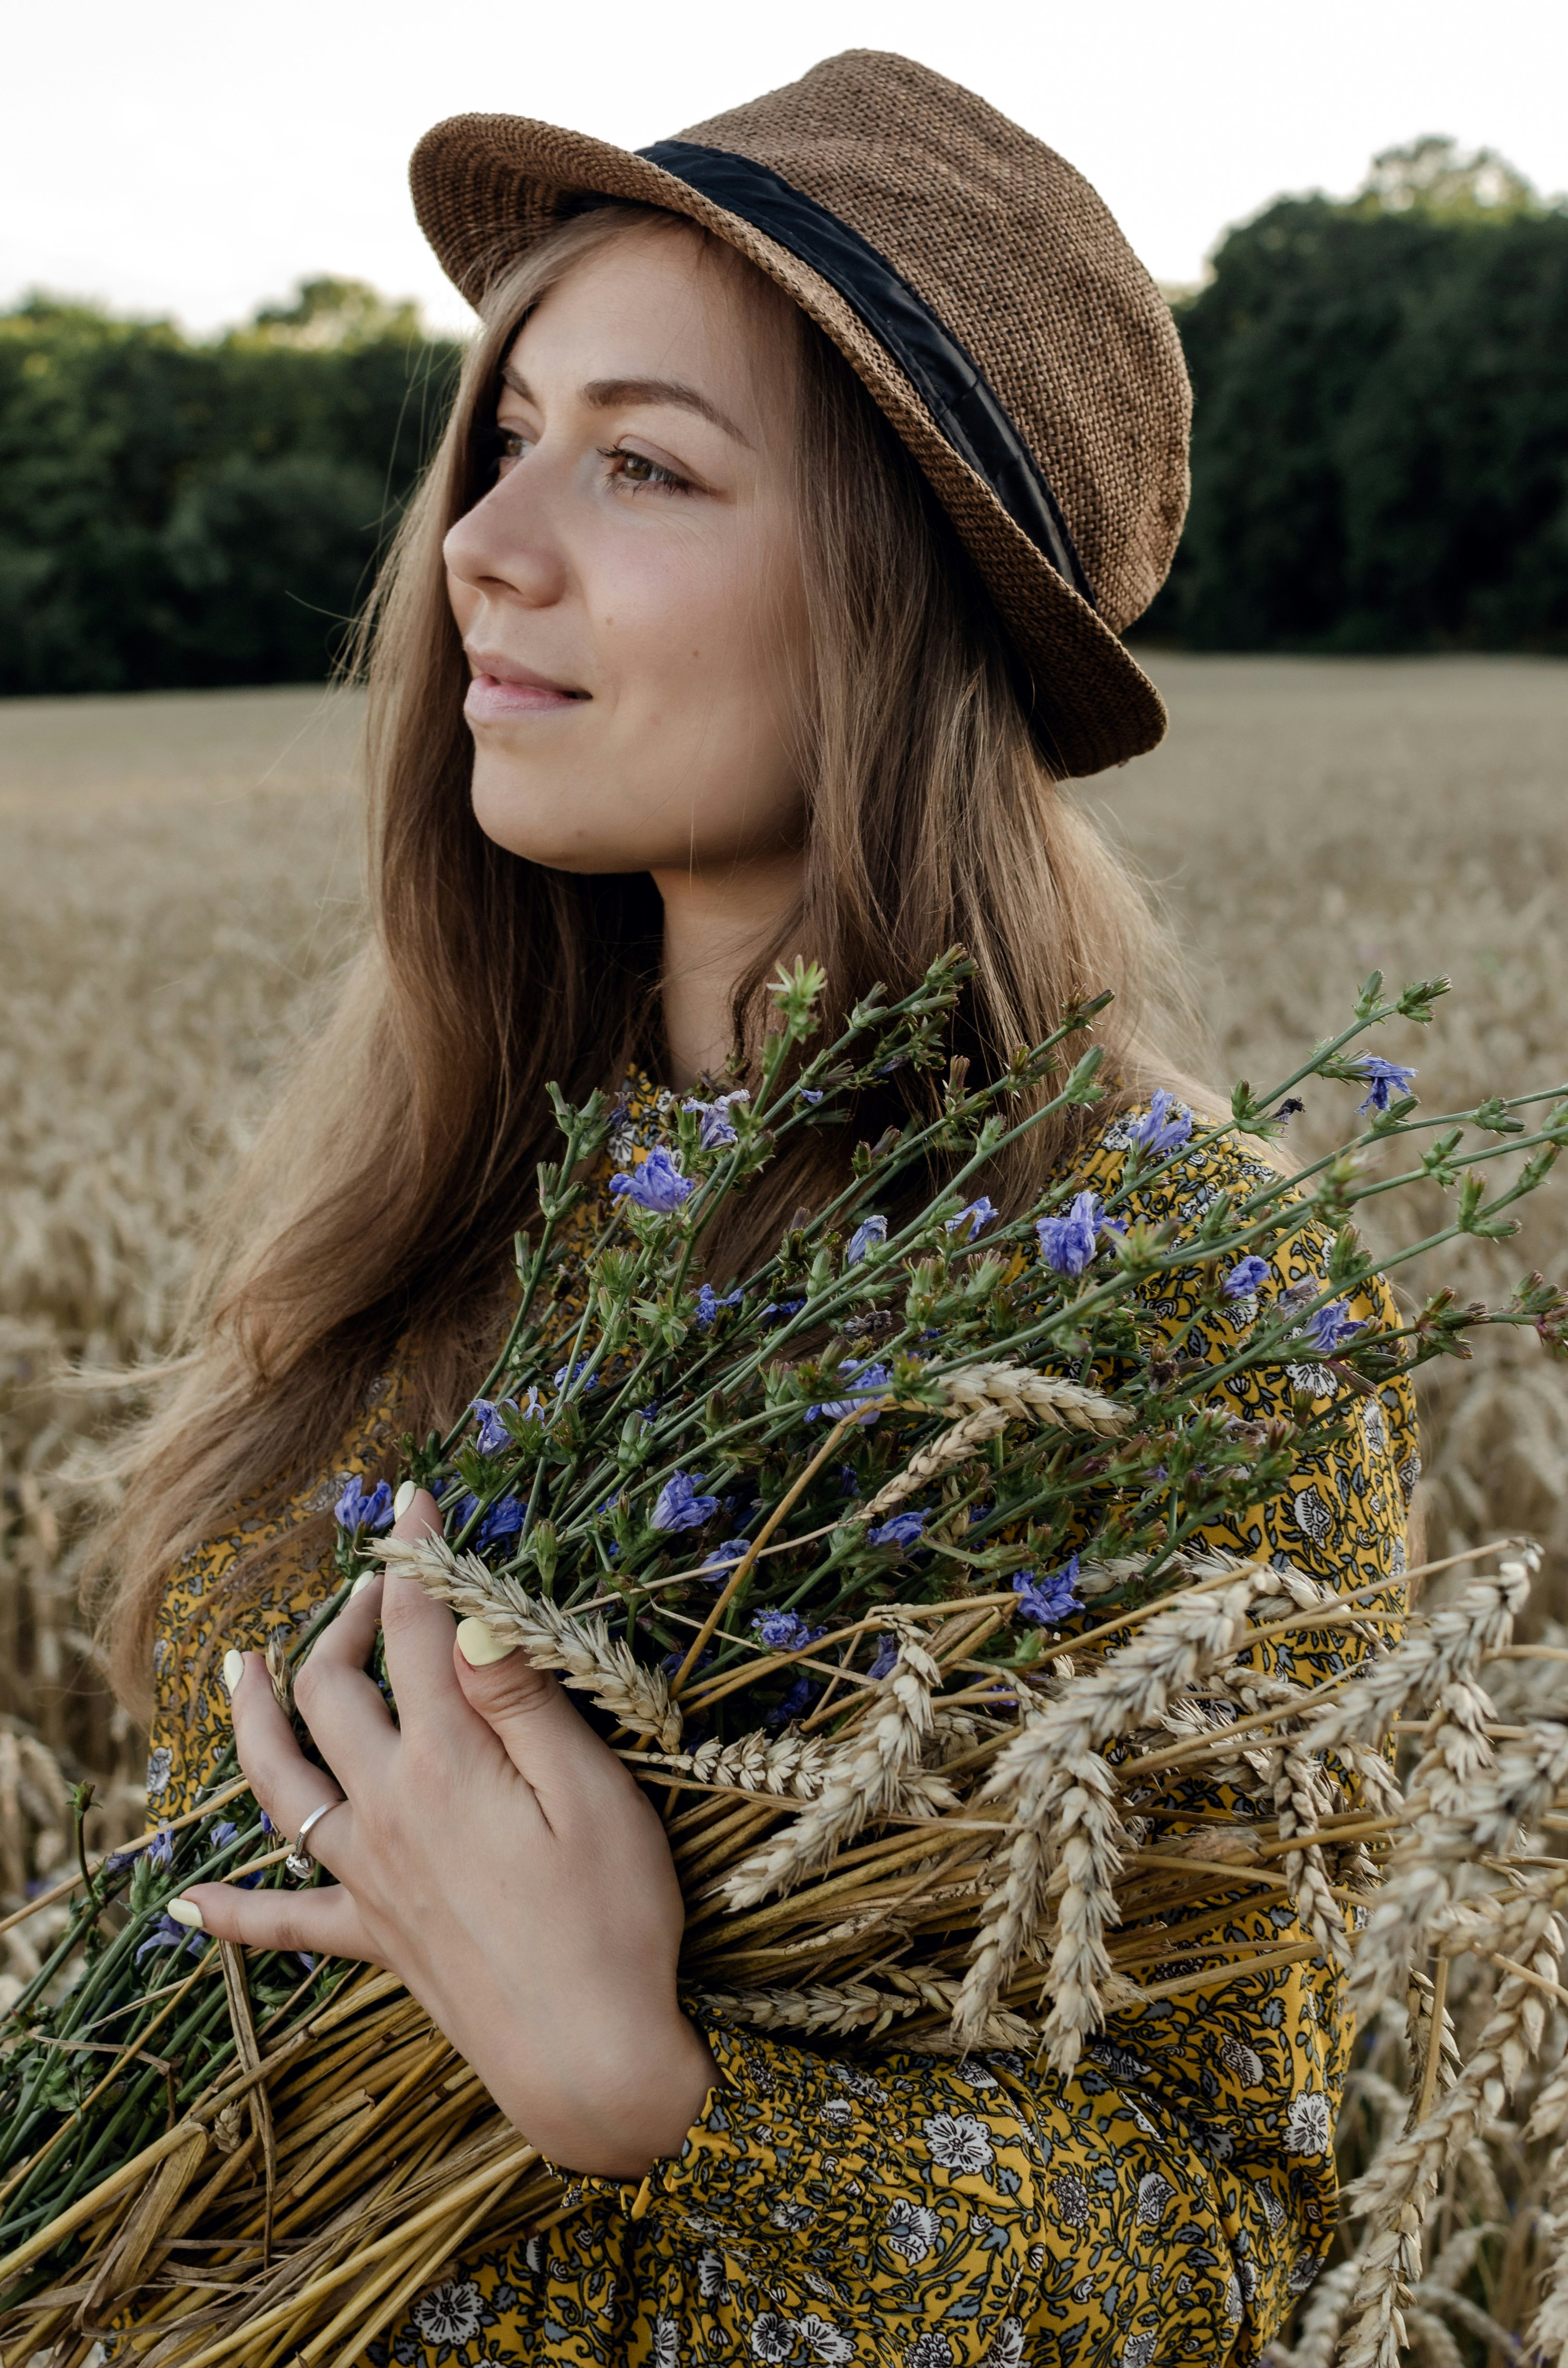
(1379, 455)
(174, 512)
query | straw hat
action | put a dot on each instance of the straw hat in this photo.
(979, 289)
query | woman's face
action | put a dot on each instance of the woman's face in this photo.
(629, 591)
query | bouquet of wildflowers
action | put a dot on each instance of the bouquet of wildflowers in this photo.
(882, 1564)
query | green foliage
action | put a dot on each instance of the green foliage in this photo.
(180, 513)
(1381, 442)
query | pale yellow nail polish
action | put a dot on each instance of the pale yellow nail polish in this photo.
(234, 1669)
(185, 1911)
(362, 1582)
(405, 1497)
(479, 1643)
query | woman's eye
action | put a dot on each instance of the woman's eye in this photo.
(636, 470)
(510, 445)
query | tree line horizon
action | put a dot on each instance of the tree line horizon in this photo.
(1380, 458)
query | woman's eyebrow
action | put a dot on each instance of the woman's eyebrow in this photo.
(604, 393)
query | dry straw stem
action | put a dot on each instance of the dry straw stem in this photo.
(583, 1651)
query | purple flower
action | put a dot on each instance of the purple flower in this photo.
(1289, 1110)
(783, 1308)
(568, 1373)
(722, 1559)
(493, 1434)
(504, 1519)
(223, 1834)
(784, 1632)
(1245, 1277)
(1048, 1600)
(902, 1530)
(306, 1960)
(869, 1234)
(657, 1184)
(1331, 1325)
(673, 1662)
(355, 1510)
(266, 1825)
(160, 1851)
(167, 1934)
(709, 1304)
(887, 1654)
(861, 1381)
(798, 1699)
(1164, 1125)
(977, 1216)
(716, 1130)
(1384, 1079)
(811, 1095)
(678, 1505)
(849, 1480)
(1067, 1244)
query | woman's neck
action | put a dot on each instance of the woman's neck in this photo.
(715, 925)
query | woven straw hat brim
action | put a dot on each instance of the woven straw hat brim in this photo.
(486, 187)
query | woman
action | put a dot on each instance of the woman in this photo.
(798, 483)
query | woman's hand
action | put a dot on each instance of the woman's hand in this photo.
(491, 1852)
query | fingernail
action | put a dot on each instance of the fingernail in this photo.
(362, 1582)
(234, 1669)
(405, 1497)
(185, 1911)
(479, 1643)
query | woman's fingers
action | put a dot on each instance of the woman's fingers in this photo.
(545, 1738)
(324, 1923)
(417, 1629)
(282, 1779)
(340, 1701)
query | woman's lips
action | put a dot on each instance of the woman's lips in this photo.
(491, 701)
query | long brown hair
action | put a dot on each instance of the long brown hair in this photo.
(371, 1218)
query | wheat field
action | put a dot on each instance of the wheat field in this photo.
(179, 883)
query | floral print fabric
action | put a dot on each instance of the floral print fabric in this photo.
(1164, 2203)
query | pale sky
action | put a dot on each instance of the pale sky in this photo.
(198, 157)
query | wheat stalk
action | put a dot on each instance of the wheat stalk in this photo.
(583, 1651)
(868, 1777)
(790, 1765)
(991, 1396)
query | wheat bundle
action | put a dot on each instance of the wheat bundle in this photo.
(895, 1761)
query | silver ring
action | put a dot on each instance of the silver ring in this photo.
(300, 1861)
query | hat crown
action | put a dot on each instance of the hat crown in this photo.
(1022, 261)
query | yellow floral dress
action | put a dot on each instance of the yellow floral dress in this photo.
(1163, 2203)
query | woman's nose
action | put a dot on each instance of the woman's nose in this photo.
(508, 542)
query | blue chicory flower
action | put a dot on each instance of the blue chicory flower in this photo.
(716, 1133)
(266, 1825)
(493, 1434)
(1385, 1079)
(504, 1519)
(678, 1505)
(811, 1095)
(356, 1510)
(167, 1934)
(160, 1851)
(861, 1381)
(566, 1374)
(1068, 1244)
(887, 1654)
(977, 1216)
(1331, 1325)
(1048, 1600)
(223, 1834)
(306, 1960)
(783, 1308)
(1245, 1277)
(793, 1704)
(902, 1530)
(709, 1304)
(784, 1632)
(722, 1559)
(1164, 1125)
(657, 1184)
(869, 1234)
